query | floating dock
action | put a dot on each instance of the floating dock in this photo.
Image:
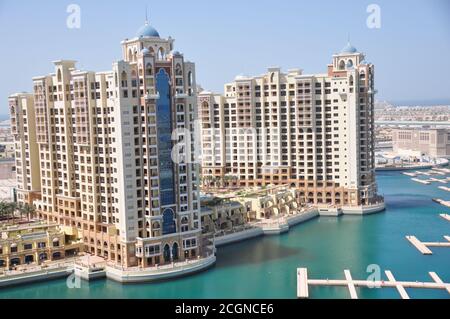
(351, 285)
(421, 181)
(303, 283)
(423, 247)
(400, 288)
(442, 202)
(410, 174)
(439, 180)
(439, 173)
(419, 245)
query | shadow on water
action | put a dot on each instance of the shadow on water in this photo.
(266, 251)
(399, 201)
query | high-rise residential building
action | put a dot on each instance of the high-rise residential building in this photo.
(312, 132)
(100, 152)
(23, 129)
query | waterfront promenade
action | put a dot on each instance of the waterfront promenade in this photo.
(91, 268)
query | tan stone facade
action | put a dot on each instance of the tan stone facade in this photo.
(35, 243)
(311, 132)
(103, 151)
(418, 142)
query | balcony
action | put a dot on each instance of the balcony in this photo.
(181, 95)
(152, 96)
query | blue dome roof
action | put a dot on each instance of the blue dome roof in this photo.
(349, 49)
(147, 31)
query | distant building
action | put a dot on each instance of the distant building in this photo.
(6, 150)
(419, 142)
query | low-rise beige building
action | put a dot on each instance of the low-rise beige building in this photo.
(36, 242)
(419, 142)
(220, 214)
(272, 204)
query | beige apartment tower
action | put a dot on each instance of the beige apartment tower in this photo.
(97, 157)
(23, 129)
(312, 132)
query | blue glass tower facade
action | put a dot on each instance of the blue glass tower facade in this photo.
(166, 167)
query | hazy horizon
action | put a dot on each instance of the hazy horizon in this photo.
(409, 50)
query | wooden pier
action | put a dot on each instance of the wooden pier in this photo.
(303, 283)
(423, 246)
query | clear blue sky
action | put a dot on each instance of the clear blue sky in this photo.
(411, 50)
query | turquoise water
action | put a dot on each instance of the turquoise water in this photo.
(266, 267)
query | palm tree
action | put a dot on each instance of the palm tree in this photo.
(19, 209)
(7, 209)
(11, 209)
(27, 210)
(2, 210)
(226, 180)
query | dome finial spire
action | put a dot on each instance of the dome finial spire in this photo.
(146, 14)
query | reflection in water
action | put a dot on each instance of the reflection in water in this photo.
(248, 253)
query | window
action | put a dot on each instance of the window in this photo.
(161, 54)
(178, 70)
(153, 250)
(27, 246)
(169, 226)
(190, 243)
(148, 69)
(190, 78)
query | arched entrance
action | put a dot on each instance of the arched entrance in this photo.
(167, 253)
(56, 256)
(169, 226)
(43, 256)
(175, 251)
(14, 262)
(29, 259)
